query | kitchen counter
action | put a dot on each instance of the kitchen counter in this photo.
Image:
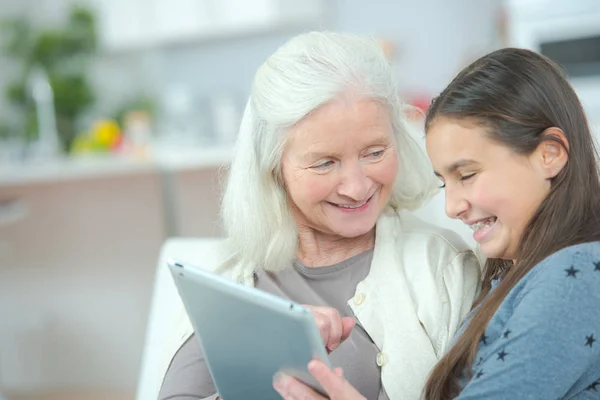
(84, 167)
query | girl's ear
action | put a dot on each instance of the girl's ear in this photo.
(552, 153)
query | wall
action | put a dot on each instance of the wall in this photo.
(434, 39)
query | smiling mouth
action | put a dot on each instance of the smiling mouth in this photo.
(485, 223)
(357, 206)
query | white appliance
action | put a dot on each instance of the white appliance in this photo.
(567, 31)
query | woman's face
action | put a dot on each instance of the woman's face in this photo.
(488, 186)
(339, 167)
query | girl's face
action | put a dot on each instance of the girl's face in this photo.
(489, 186)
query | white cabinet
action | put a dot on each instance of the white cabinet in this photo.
(76, 272)
(131, 24)
(175, 19)
(123, 24)
(240, 14)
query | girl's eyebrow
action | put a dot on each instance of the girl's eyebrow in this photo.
(456, 165)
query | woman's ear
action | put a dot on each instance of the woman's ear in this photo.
(553, 152)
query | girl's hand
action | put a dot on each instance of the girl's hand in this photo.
(336, 387)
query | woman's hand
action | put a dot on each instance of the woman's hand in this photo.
(333, 328)
(336, 387)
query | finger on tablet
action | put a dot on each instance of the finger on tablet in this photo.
(335, 385)
(292, 389)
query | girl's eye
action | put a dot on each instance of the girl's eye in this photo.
(467, 177)
(462, 178)
(377, 154)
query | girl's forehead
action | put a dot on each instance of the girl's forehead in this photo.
(450, 145)
(453, 136)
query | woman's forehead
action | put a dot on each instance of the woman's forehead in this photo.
(342, 125)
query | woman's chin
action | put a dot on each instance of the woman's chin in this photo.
(350, 232)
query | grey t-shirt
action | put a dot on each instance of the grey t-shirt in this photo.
(188, 377)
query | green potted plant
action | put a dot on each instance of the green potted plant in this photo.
(64, 54)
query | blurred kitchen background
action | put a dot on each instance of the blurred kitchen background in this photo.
(117, 119)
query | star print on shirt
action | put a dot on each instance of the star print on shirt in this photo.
(597, 264)
(508, 332)
(502, 354)
(590, 340)
(483, 339)
(572, 272)
(479, 375)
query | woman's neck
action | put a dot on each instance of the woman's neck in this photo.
(316, 249)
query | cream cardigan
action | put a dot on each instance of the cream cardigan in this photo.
(422, 282)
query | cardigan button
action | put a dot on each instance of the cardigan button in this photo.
(381, 359)
(359, 298)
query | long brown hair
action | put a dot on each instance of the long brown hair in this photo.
(516, 95)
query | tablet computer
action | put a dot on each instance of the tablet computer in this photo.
(247, 335)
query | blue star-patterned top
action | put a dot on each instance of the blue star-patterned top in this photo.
(544, 340)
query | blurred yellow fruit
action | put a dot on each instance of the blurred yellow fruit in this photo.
(106, 132)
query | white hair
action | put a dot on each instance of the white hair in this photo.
(307, 72)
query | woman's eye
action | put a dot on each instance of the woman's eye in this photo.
(324, 165)
(376, 154)
(467, 177)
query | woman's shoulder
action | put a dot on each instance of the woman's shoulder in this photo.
(415, 229)
(426, 243)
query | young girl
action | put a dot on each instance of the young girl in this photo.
(509, 140)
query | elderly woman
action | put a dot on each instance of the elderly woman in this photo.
(316, 210)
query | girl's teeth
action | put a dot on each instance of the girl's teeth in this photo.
(485, 223)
